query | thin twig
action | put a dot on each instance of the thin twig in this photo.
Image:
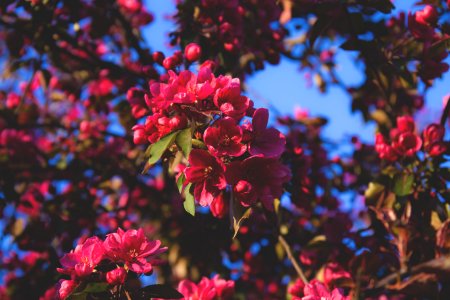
(291, 257)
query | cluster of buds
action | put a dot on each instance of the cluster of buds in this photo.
(236, 29)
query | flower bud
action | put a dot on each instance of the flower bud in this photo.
(158, 57)
(192, 52)
(66, 287)
(428, 15)
(116, 276)
(169, 63)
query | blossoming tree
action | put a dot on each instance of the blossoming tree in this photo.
(126, 173)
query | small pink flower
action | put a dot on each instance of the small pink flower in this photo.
(406, 124)
(228, 98)
(315, 290)
(207, 173)
(296, 289)
(81, 262)
(219, 207)
(333, 272)
(65, 288)
(116, 276)
(407, 144)
(266, 141)
(428, 15)
(133, 249)
(207, 289)
(225, 138)
(259, 175)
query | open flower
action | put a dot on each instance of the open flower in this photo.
(315, 290)
(266, 141)
(81, 262)
(207, 289)
(225, 138)
(132, 248)
(207, 173)
(257, 178)
(228, 97)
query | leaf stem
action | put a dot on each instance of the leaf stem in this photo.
(291, 257)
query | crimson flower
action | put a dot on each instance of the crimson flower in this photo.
(225, 138)
(207, 289)
(407, 143)
(219, 206)
(207, 173)
(433, 137)
(266, 141)
(132, 248)
(315, 290)
(260, 176)
(81, 262)
(116, 276)
(228, 97)
(65, 288)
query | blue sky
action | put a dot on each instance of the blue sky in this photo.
(285, 87)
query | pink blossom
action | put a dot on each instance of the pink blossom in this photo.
(207, 289)
(116, 276)
(407, 144)
(315, 290)
(219, 206)
(81, 262)
(263, 176)
(135, 97)
(207, 173)
(132, 248)
(192, 52)
(228, 97)
(157, 126)
(406, 124)
(428, 15)
(65, 288)
(266, 141)
(296, 289)
(333, 272)
(225, 138)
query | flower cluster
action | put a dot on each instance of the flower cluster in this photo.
(243, 156)
(226, 28)
(422, 25)
(207, 289)
(110, 260)
(404, 142)
(315, 290)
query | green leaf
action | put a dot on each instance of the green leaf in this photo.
(156, 150)
(96, 287)
(374, 191)
(184, 141)
(180, 181)
(238, 218)
(157, 291)
(82, 291)
(189, 202)
(403, 184)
